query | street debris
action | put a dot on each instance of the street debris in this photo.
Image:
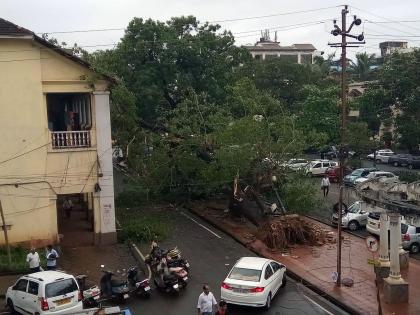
(283, 232)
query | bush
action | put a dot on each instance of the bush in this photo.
(142, 225)
(131, 197)
(407, 176)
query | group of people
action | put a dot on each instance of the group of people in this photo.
(206, 303)
(34, 261)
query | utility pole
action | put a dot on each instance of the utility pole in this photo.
(344, 32)
(6, 237)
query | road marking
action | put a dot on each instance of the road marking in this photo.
(325, 310)
(204, 227)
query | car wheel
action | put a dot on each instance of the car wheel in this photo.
(11, 306)
(395, 164)
(410, 166)
(353, 225)
(415, 248)
(268, 302)
(284, 281)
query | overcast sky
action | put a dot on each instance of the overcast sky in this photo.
(59, 15)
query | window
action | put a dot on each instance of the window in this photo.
(404, 228)
(317, 165)
(289, 58)
(275, 266)
(326, 164)
(270, 56)
(60, 288)
(21, 285)
(417, 230)
(245, 274)
(258, 57)
(306, 58)
(268, 272)
(33, 288)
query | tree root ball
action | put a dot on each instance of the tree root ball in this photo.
(281, 232)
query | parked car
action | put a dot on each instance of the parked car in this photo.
(410, 238)
(319, 167)
(332, 152)
(381, 156)
(334, 172)
(45, 292)
(353, 219)
(295, 164)
(376, 174)
(253, 281)
(399, 159)
(357, 173)
(414, 162)
(410, 234)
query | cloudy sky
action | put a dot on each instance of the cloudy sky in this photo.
(384, 19)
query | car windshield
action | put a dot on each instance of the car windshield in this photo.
(404, 228)
(245, 274)
(354, 208)
(357, 173)
(60, 288)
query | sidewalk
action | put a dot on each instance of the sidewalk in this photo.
(314, 265)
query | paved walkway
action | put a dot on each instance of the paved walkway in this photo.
(315, 265)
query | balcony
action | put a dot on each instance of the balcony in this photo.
(70, 139)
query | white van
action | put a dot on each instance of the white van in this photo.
(319, 167)
(45, 293)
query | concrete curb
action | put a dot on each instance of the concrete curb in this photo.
(291, 274)
(139, 256)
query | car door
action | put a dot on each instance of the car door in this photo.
(324, 167)
(316, 169)
(277, 274)
(19, 295)
(269, 280)
(31, 300)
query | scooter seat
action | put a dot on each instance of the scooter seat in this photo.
(117, 283)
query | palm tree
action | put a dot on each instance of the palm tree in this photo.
(324, 64)
(362, 68)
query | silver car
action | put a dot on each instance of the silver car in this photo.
(354, 218)
(410, 238)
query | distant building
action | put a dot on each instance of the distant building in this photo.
(266, 48)
(388, 48)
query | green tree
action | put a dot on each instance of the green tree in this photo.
(362, 69)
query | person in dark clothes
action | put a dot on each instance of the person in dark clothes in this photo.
(222, 308)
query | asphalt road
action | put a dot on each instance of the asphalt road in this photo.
(211, 254)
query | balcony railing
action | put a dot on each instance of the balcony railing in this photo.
(70, 139)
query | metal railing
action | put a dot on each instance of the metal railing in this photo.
(70, 139)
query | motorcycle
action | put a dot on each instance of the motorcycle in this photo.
(91, 293)
(113, 289)
(173, 255)
(181, 274)
(142, 287)
(164, 279)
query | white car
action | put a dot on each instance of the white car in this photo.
(354, 218)
(45, 292)
(373, 223)
(382, 156)
(253, 281)
(319, 167)
(295, 164)
(376, 174)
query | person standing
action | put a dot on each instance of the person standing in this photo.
(325, 185)
(51, 255)
(33, 260)
(206, 301)
(222, 308)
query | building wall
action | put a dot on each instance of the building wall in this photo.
(270, 53)
(27, 159)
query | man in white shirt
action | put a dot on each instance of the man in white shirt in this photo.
(33, 260)
(51, 255)
(206, 301)
(325, 185)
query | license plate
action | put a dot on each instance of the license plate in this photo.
(240, 290)
(63, 301)
(175, 286)
(188, 265)
(146, 289)
(185, 278)
(125, 296)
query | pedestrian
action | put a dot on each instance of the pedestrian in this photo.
(33, 260)
(68, 207)
(222, 308)
(51, 255)
(325, 185)
(206, 301)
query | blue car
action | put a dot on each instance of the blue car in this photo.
(357, 173)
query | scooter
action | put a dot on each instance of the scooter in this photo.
(142, 287)
(164, 279)
(113, 289)
(91, 293)
(181, 274)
